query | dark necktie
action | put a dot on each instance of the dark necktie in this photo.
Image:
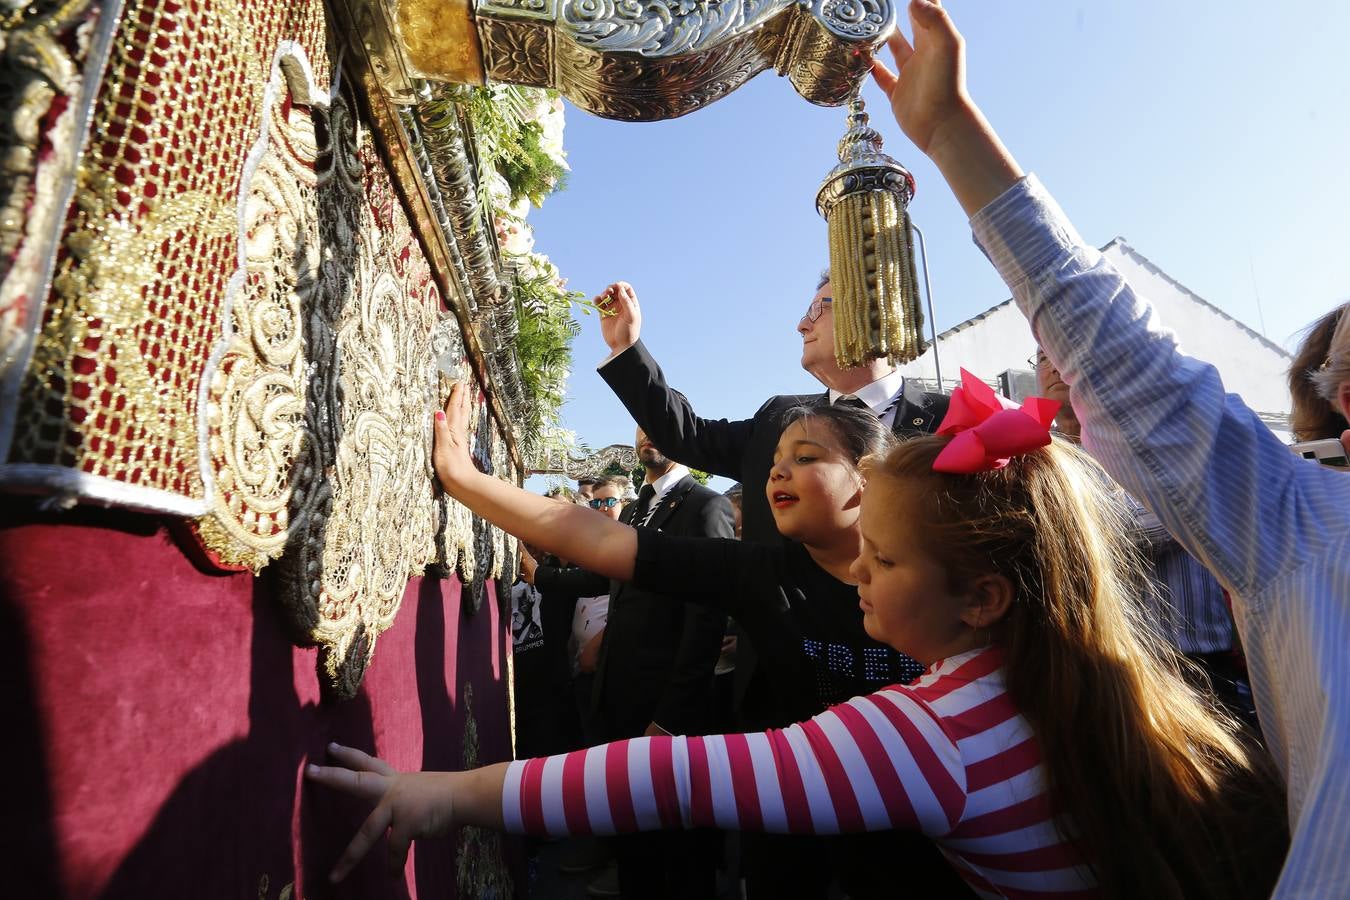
(644, 501)
(853, 402)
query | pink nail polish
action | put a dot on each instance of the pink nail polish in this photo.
(440, 416)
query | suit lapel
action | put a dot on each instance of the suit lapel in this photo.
(671, 501)
(626, 517)
(913, 414)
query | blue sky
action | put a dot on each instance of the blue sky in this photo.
(1214, 137)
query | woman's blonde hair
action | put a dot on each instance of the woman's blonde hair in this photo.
(1162, 794)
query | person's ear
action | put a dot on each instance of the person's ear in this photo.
(987, 601)
(855, 501)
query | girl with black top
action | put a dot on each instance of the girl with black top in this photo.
(799, 607)
(794, 601)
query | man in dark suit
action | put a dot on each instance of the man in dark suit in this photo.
(655, 674)
(743, 450)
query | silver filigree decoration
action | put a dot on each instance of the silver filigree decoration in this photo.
(859, 19)
(663, 28)
(524, 9)
(581, 465)
(643, 60)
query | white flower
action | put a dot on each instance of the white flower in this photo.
(514, 236)
(551, 141)
(498, 190)
(520, 209)
(537, 265)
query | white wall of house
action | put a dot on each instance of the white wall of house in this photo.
(1000, 339)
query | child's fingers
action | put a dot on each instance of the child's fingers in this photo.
(371, 830)
(456, 390)
(353, 758)
(884, 77)
(456, 414)
(400, 840)
(901, 49)
(930, 18)
(366, 785)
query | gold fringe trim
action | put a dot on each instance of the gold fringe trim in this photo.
(876, 298)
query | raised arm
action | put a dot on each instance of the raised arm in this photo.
(1158, 421)
(594, 542)
(873, 764)
(713, 445)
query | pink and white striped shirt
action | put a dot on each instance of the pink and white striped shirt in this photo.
(948, 756)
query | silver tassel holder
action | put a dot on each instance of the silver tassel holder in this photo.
(865, 203)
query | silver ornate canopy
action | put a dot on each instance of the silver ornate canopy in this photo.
(637, 60)
(582, 464)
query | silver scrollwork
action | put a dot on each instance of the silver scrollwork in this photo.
(638, 60)
(858, 19)
(587, 464)
(663, 28)
(524, 9)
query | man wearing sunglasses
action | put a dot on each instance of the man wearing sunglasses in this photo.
(655, 670)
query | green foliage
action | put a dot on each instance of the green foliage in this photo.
(544, 346)
(529, 170)
(510, 143)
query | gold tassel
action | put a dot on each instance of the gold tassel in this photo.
(864, 201)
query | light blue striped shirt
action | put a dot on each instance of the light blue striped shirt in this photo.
(1274, 528)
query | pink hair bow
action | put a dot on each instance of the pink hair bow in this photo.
(988, 430)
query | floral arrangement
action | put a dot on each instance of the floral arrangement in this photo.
(519, 136)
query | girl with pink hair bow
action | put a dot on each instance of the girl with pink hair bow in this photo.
(1050, 716)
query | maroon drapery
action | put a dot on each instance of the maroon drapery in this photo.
(158, 720)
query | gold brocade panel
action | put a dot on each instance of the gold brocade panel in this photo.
(50, 61)
(242, 326)
(107, 406)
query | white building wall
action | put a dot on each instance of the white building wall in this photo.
(1002, 340)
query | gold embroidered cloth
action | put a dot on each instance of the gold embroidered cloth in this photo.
(241, 320)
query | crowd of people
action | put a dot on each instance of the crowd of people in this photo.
(1088, 646)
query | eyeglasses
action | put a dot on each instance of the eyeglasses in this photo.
(817, 308)
(1038, 360)
(603, 502)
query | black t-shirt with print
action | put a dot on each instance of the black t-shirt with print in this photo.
(805, 624)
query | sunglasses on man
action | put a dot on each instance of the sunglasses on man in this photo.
(603, 503)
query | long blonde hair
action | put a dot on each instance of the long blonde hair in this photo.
(1163, 795)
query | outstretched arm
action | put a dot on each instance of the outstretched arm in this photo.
(849, 769)
(1158, 421)
(593, 542)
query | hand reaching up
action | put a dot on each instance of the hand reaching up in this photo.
(928, 96)
(450, 443)
(528, 565)
(621, 319)
(928, 92)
